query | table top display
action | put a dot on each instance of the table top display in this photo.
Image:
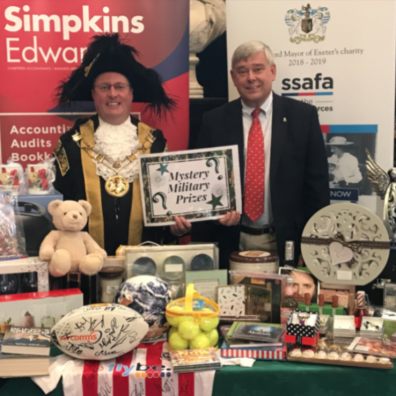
(278, 377)
(173, 320)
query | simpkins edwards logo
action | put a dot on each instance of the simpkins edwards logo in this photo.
(307, 24)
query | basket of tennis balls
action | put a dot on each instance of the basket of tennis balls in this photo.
(193, 320)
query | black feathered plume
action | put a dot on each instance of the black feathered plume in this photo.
(107, 54)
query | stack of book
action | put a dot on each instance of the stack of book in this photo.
(255, 340)
(194, 360)
(24, 352)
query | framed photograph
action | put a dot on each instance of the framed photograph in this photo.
(263, 293)
(303, 282)
(197, 184)
(206, 283)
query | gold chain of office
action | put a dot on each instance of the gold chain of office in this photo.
(115, 185)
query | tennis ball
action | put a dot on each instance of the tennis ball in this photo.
(176, 342)
(188, 329)
(174, 320)
(201, 341)
(208, 324)
(172, 330)
(213, 337)
(185, 319)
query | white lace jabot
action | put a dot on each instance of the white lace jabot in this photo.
(116, 142)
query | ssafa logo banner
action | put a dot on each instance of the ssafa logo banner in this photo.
(41, 43)
(144, 371)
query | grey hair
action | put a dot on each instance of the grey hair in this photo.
(250, 48)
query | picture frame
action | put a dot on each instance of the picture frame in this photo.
(199, 185)
(206, 283)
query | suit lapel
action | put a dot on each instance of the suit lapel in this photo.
(279, 134)
(234, 128)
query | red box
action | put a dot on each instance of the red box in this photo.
(307, 341)
(38, 309)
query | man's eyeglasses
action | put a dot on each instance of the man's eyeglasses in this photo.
(118, 87)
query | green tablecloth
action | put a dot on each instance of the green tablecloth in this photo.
(270, 378)
(292, 379)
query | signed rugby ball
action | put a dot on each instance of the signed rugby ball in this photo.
(99, 331)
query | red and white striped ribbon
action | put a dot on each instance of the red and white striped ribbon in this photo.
(144, 371)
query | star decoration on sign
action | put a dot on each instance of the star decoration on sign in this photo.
(215, 201)
(163, 168)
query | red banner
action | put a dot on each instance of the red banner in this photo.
(43, 41)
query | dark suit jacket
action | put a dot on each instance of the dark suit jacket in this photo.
(298, 169)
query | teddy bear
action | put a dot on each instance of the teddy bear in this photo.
(68, 249)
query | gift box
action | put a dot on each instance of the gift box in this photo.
(27, 274)
(37, 309)
(302, 328)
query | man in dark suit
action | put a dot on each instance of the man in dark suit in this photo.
(295, 171)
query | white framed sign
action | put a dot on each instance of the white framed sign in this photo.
(199, 185)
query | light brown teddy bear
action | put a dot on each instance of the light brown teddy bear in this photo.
(68, 249)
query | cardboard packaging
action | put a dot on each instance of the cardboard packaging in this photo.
(38, 309)
(26, 265)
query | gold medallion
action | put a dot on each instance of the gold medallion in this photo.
(117, 186)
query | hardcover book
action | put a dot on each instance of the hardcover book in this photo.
(254, 352)
(27, 341)
(194, 360)
(13, 365)
(244, 344)
(257, 332)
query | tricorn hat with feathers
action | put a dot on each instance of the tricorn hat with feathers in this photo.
(106, 53)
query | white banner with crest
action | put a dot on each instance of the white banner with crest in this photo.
(340, 57)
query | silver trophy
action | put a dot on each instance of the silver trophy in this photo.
(385, 186)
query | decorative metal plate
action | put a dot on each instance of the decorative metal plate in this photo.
(345, 243)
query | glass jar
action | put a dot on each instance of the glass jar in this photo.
(110, 280)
